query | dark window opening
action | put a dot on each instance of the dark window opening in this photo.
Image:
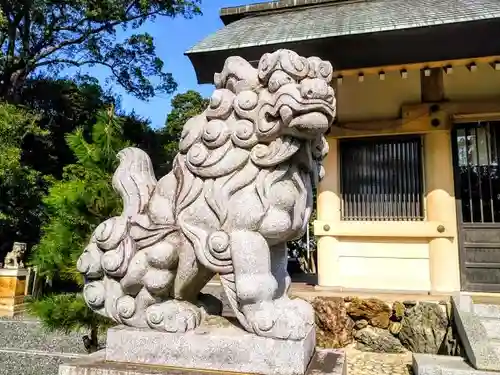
(381, 179)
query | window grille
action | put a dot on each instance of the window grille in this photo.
(381, 179)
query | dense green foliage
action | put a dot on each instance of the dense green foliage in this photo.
(76, 204)
(59, 136)
(53, 35)
(62, 105)
(21, 187)
(68, 312)
(84, 197)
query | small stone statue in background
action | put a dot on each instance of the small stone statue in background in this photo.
(14, 258)
(240, 188)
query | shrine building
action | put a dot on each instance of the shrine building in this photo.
(411, 198)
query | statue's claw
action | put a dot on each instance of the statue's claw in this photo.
(173, 316)
(282, 319)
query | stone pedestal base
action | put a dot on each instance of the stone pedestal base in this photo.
(12, 291)
(218, 345)
(324, 362)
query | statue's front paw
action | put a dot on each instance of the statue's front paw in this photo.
(173, 316)
(289, 319)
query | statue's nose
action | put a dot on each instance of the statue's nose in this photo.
(315, 88)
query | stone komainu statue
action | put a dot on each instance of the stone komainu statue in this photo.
(14, 258)
(240, 188)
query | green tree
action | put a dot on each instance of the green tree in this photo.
(65, 104)
(53, 35)
(21, 188)
(62, 105)
(84, 197)
(76, 204)
(184, 106)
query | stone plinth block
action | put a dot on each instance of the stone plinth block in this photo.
(218, 345)
(12, 291)
(480, 345)
(324, 362)
(431, 364)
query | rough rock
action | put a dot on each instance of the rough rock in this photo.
(395, 328)
(360, 324)
(375, 311)
(424, 328)
(410, 303)
(451, 343)
(378, 340)
(335, 327)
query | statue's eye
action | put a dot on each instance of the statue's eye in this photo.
(279, 79)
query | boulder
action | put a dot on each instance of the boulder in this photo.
(360, 324)
(409, 303)
(424, 328)
(334, 326)
(378, 340)
(395, 328)
(375, 311)
(451, 343)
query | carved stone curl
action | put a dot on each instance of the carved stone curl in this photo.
(240, 188)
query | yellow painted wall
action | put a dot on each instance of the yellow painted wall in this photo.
(419, 256)
(463, 84)
(374, 99)
(396, 256)
(384, 264)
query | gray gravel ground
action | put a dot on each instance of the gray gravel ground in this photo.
(26, 348)
(29, 364)
(31, 335)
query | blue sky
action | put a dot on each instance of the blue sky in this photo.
(172, 38)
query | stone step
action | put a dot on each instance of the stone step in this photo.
(430, 364)
(479, 344)
(486, 311)
(492, 326)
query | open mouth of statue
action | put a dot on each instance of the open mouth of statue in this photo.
(311, 116)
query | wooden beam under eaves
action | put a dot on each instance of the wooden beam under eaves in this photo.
(471, 64)
(431, 85)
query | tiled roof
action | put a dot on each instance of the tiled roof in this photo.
(231, 14)
(344, 18)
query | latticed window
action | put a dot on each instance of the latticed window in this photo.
(381, 178)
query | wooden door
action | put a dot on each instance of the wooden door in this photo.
(476, 151)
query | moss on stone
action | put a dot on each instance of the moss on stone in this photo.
(398, 311)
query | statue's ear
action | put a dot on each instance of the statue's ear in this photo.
(237, 69)
(218, 80)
